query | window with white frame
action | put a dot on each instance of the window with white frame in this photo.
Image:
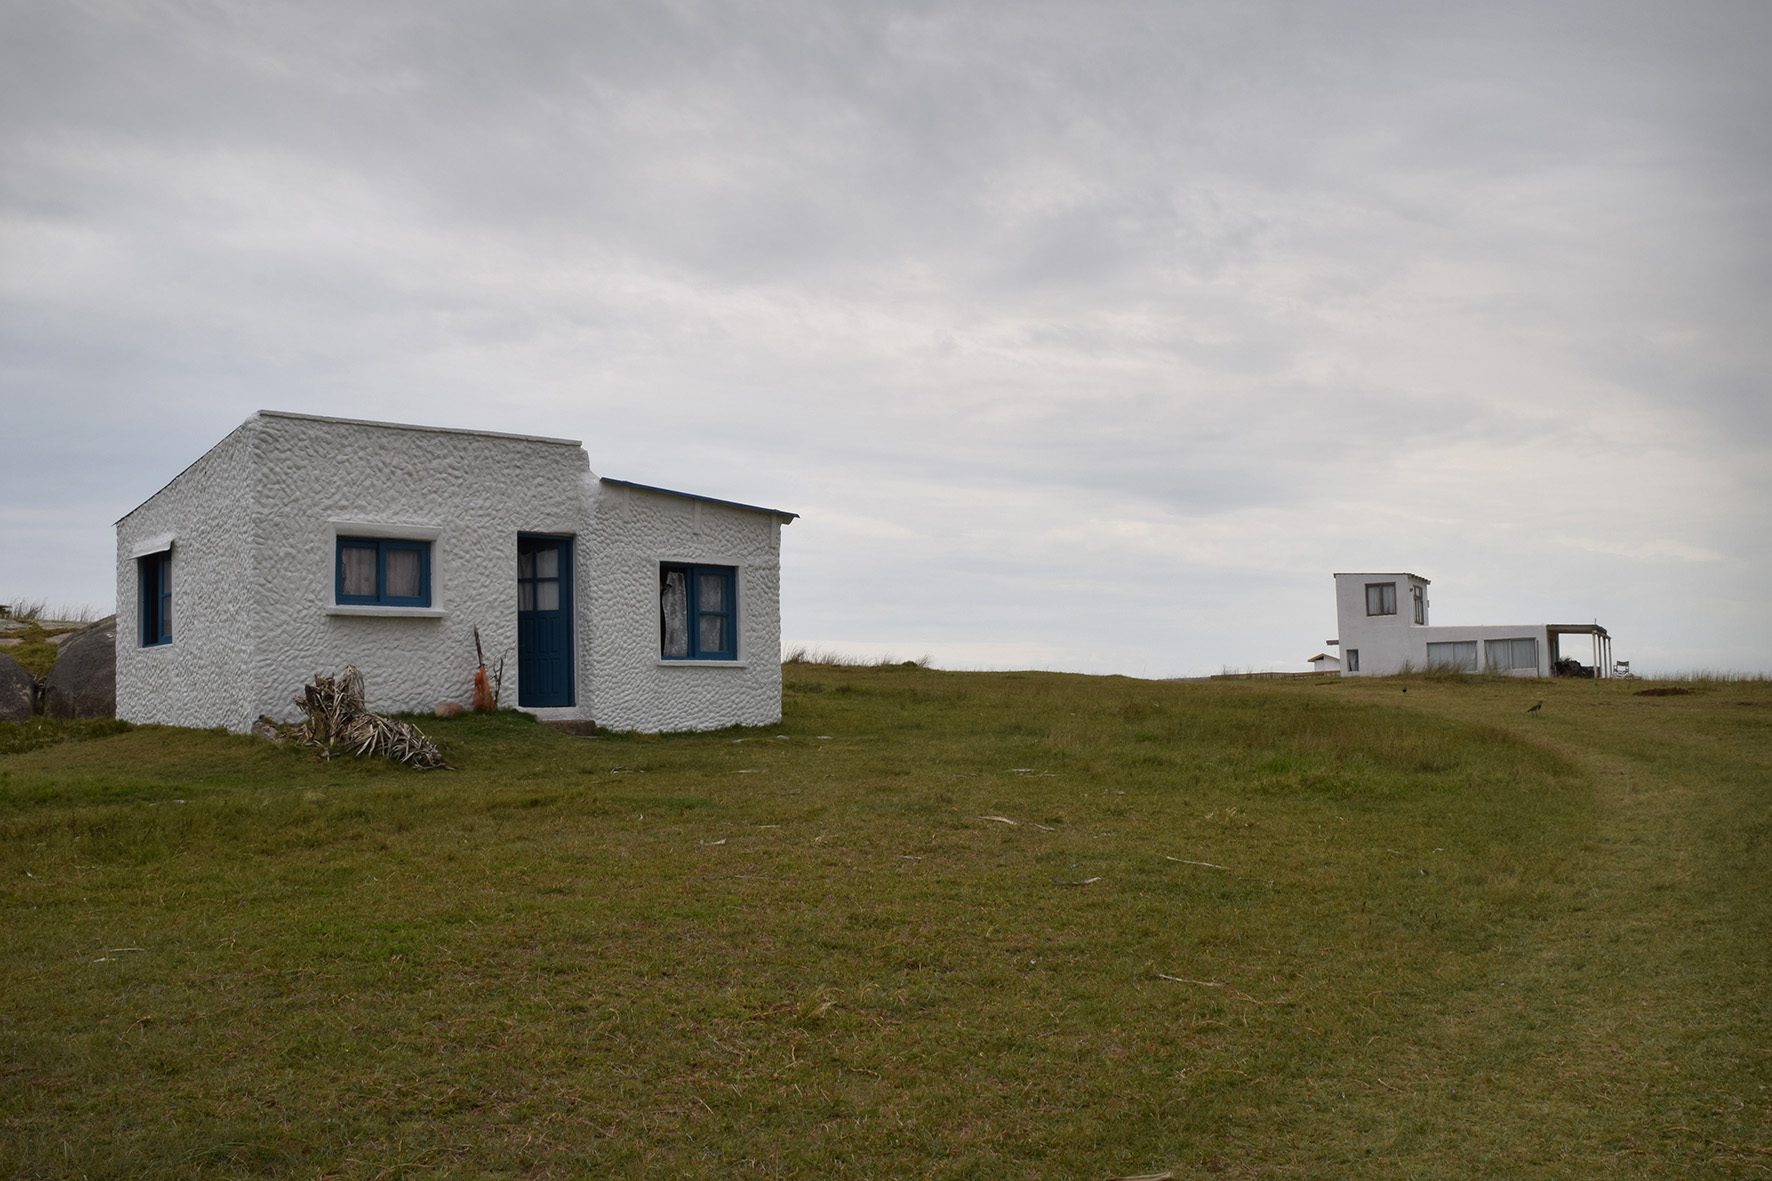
(1455, 656)
(1508, 655)
(1353, 660)
(1381, 598)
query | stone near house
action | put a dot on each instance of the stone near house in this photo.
(16, 688)
(83, 683)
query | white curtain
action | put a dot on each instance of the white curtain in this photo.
(1458, 655)
(358, 562)
(403, 573)
(673, 605)
(1506, 655)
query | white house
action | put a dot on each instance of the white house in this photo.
(300, 544)
(1384, 629)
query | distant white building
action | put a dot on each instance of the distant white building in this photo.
(300, 544)
(1322, 662)
(1383, 624)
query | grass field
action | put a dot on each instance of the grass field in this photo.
(933, 925)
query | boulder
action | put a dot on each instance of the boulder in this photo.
(83, 683)
(16, 690)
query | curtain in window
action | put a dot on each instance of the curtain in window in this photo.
(547, 580)
(357, 563)
(1381, 598)
(1506, 655)
(711, 600)
(673, 605)
(403, 573)
(1459, 656)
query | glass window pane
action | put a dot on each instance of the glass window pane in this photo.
(673, 605)
(713, 633)
(525, 596)
(403, 573)
(166, 576)
(547, 563)
(525, 565)
(1459, 655)
(165, 616)
(358, 563)
(547, 595)
(712, 592)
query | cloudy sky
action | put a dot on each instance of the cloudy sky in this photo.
(1089, 336)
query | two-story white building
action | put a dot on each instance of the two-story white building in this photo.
(1383, 624)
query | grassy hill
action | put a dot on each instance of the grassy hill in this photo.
(934, 924)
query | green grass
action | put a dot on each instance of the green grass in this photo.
(34, 650)
(1432, 937)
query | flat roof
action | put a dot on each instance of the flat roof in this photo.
(1382, 574)
(1575, 629)
(408, 426)
(755, 508)
(395, 426)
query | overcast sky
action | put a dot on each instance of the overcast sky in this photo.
(1089, 336)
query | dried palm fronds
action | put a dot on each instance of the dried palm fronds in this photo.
(338, 719)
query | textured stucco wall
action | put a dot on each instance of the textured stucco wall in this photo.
(253, 585)
(200, 678)
(477, 492)
(633, 531)
(1387, 642)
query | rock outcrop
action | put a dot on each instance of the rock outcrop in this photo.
(16, 689)
(83, 683)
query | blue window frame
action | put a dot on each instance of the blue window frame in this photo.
(698, 612)
(156, 582)
(383, 571)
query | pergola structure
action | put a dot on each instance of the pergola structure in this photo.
(1600, 641)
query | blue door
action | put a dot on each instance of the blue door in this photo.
(544, 620)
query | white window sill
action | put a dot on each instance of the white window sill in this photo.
(366, 609)
(702, 664)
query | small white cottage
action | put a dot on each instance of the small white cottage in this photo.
(300, 544)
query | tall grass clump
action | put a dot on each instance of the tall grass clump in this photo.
(803, 654)
(39, 610)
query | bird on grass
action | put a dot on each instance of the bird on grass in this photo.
(1536, 706)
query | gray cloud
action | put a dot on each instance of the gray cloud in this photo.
(1096, 333)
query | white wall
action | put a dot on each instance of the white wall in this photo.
(1388, 643)
(201, 678)
(470, 492)
(633, 531)
(254, 618)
